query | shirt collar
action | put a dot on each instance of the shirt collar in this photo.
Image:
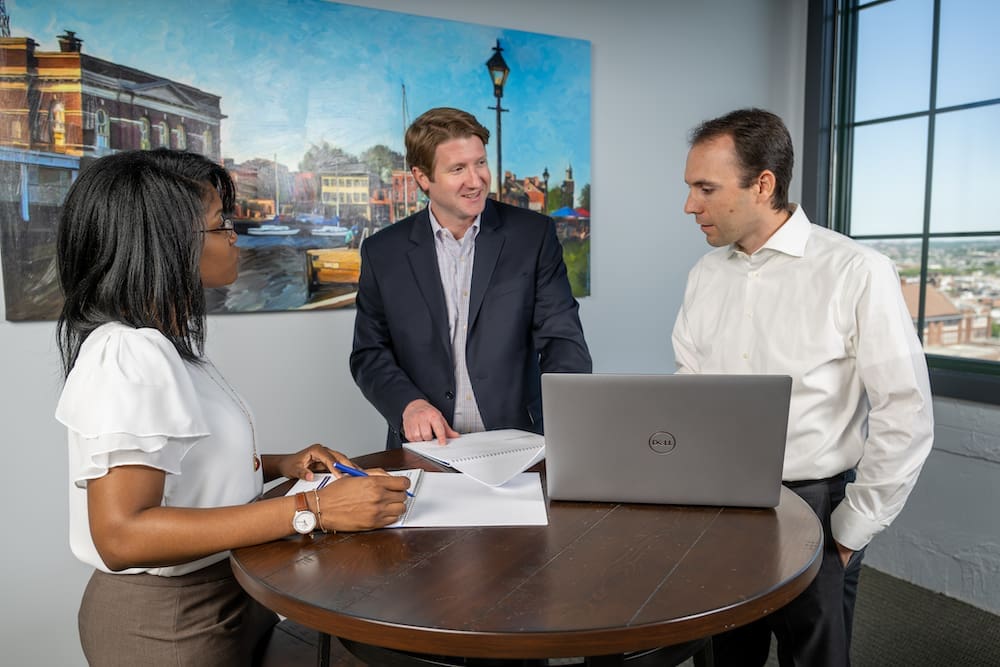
(437, 228)
(790, 238)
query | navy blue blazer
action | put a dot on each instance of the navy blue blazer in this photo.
(523, 320)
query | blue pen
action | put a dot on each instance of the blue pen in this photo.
(354, 472)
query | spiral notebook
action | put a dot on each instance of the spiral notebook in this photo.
(490, 457)
(449, 500)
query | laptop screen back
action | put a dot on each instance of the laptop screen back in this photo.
(675, 439)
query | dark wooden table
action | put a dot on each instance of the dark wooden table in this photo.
(600, 579)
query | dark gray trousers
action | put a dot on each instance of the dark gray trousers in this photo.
(814, 629)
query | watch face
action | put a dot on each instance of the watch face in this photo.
(304, 522)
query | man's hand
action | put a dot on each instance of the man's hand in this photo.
(844, 553)
(422, 421)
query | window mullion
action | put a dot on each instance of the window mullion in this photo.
(844, 117)
(929, 176)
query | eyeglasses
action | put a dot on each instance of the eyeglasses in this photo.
(227, 226)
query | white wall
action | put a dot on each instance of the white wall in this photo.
(947, 538)
(659, 68)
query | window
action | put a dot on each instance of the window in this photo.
(103, 129)
(89, 113)
(144, 134)
(914, 107)
(162, 135)
(206, 142)
(181, 138)
(58, 124)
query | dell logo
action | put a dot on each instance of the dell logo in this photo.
(662, 442)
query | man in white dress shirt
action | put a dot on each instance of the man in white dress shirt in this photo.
(781, 295)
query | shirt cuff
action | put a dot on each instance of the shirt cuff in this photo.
(851, 529)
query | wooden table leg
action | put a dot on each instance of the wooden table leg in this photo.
(323, 650)
(664, 656)
(705, 657)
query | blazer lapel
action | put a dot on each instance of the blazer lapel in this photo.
(423, 262)
(489, 243)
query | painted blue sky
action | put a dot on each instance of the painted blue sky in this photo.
(296, 73)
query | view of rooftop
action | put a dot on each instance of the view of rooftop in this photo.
(962, 300)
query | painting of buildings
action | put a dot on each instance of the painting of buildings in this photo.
(311, 136)
(57, 110)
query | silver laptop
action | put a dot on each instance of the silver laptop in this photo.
(675, 439)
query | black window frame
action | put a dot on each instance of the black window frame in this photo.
(828, 129)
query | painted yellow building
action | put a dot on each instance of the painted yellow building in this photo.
(345, 191)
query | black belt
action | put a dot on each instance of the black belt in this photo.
(846, 477)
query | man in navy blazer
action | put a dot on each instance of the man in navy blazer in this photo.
(463, 305)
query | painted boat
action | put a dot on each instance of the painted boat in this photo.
(330, 230)
(272, 230)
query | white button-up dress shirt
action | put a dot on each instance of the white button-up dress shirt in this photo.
(455, 258)
(829, 312)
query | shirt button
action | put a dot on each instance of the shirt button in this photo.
(746, 356)
(449, 395)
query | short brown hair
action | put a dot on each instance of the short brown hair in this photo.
(433, 128)
(762, 142)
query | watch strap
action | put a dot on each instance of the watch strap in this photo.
(301, 502)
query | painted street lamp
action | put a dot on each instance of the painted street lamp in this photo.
(545, 192)
(498, 74)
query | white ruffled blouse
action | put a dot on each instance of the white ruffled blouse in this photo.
(131, 400)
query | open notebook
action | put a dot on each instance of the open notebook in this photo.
(448, 500)
(489, 457)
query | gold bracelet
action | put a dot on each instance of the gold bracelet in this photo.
(319, 513)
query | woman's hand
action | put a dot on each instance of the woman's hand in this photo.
(362, 503)
(302, 465)
(314, 458)
(132, 527)
(351, 503)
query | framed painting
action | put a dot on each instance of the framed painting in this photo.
(305, 104)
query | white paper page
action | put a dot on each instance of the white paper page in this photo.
(497, 470)
(490, 457)
(321, 479)
(470, 445)
(447, 500)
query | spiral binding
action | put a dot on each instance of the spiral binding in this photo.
(503, 452)
(410, 500)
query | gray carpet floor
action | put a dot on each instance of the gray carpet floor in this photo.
(897, 624)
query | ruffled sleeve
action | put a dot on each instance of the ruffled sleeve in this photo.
(129, 400)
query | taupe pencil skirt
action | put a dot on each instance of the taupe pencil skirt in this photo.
(202, 618)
